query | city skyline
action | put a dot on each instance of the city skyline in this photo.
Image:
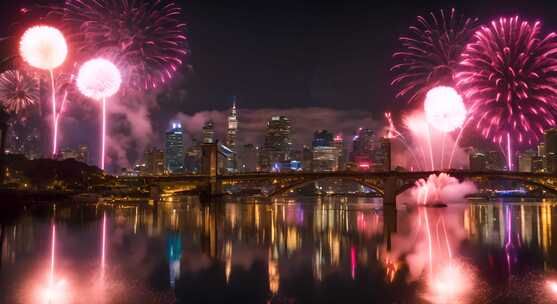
(344, 78)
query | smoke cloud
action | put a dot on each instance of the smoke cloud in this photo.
(304, 122)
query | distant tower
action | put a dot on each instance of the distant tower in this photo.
(231, 138)
(174, 149)
(208, 132)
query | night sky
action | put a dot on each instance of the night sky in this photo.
(291, 55)
(281, 54)
(317, 53)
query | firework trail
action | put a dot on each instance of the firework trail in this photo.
(145, 39)
(45, 48)
(431, 52)
(17, 90)
(99, 79)
(508, 77)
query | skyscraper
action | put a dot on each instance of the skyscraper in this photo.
(550, 141)
(325, 154)
(364, 142)
(525, 161)
(208, 132)
(231, 139)
(278, 143)
(342, 156)
(154, 161)
(174, 149)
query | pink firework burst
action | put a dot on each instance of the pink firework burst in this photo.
(430, 52)
(508, 78)
(146, 39)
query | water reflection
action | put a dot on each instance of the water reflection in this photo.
(288, 250)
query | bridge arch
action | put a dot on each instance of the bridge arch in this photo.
(307, 181)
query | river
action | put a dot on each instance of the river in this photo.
(285, 250)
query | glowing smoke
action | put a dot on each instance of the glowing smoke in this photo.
(440, 188)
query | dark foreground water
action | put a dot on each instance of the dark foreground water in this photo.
(303, 250)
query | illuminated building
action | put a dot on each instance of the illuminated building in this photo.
(325, 154)
(24, 138)
(550, 150)
(174, 149)
(154, 161)
(231, 139)
(495, 161)
(364, 142)
(342, 156)
(278, 143)
(525, 160)
(67, 153)
(247, 158)
(478, 161)
(541, 149)
(537, 164)
(208, 132)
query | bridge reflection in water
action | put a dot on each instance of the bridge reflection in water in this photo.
(219, 245)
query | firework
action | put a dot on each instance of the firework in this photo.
(44, 47)
(146, 37)
(431, 52)
(444, 109)
(508, 78)
(17, 90)
(99, 79)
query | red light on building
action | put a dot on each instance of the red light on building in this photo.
(363, 165)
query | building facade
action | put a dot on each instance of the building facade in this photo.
(174, 149)
(277, 145)
(231, 140)
(154, 162)
(325, 154)
(208, 132)
(364, 142)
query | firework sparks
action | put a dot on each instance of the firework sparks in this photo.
(99, 79)
(17, 90)
(508, 76)
(444, 109)
(43, 47)
(148, 38)
(431, 52)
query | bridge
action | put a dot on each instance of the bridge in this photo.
(387, 184)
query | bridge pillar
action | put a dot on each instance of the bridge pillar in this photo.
(389, 191)
(209, 168)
